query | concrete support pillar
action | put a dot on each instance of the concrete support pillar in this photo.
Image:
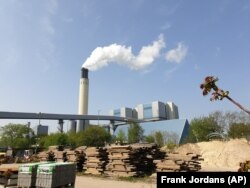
(112, 127)
(60, 128)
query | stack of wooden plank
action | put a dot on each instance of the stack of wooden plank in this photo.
(80, 158)
(176, 162)
(71, 155)
(244, 166)
(132, 160)
(96, 160)
(145, 155)
(60, 156)
(121, 161)
(46, 156)
(8, 174)
(42, 156)
(77, 156)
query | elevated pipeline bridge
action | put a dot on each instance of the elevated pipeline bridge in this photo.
(115, 121)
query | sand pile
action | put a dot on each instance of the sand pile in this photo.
(220, 155)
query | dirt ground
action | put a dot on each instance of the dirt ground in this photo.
(92, 182)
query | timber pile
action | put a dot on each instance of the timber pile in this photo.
(71, 157)
(54, 153)
(46, 156)
(34, 158)
(96, 160)
(60, 156)
(57, 154)
(244, 166)
(121, 161)
(80, 157)
(42, 156)
(8, 174)
(6, 159)
(176, 162)
(132, 160)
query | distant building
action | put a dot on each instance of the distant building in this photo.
(41, 130)
(153, 111)
(122, 112)
(172, 110)
(156, 116)
(175, 127)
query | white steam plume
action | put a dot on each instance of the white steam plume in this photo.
(178, 54)
(114, 53)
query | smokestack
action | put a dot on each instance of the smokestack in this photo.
(83, 98)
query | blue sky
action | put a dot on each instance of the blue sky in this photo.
(152, 50)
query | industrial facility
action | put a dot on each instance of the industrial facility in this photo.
(156, 112)
(149, 112)
(155, 116)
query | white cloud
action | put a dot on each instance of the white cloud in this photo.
(114, 53)
(178, 54)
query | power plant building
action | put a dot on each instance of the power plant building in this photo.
(122, 112)
(172, 110)
(156, 116)
(149, 112)
(154, 110)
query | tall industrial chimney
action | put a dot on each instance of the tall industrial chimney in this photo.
(83, 99)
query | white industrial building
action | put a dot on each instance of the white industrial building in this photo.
(172, 110)
(122, 112)
(152, 111)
